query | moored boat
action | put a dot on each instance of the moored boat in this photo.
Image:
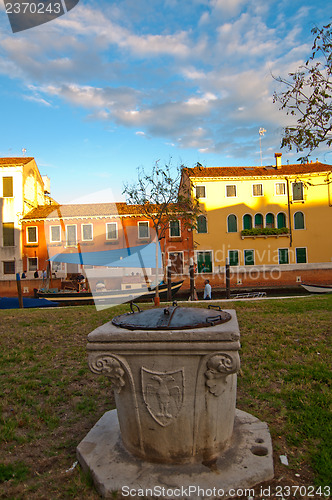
(71, 297)
(317, 288)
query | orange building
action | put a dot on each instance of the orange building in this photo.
(52, 229)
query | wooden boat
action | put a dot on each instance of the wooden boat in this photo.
(28, 302)
(317, 288)
(71, 297)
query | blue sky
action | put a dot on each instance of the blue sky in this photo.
(112, 86)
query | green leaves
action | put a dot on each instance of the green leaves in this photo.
(265, 231)
(308, 97)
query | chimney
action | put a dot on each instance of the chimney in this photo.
(278, 159)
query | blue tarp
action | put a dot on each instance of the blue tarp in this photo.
(139, 256)
(12, 303)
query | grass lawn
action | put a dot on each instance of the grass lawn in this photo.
(49, 400)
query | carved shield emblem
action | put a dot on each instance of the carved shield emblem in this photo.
(163, 394)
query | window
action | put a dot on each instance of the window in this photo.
(259, 221)
(176, 260)
(200, 192)
(269, 220)
(9, 267)
(204, 262)
(232, 223)
(32, 264)
(71, 235)
(143, 230)
(55, 234)
(7, 188)
(201, 224)
(301, 255)
(297, 191)
(233, 257)
(230, 190)
(174, 229)
(32, 234)
(57, 267)
(249, 257)
(257, 189)
(87, 232)
(247, 221)
(280, 188)
(283, 255)
(8, 234)
(299, 220)
(112, 231)
(281, 220)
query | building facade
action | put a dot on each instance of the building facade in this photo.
(56, 229)
(22, 188)
(272, 224)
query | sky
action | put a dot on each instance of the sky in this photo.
(113, 86)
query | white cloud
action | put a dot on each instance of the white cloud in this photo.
(205, 86)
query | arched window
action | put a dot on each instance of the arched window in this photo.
(299, 220)
(247, 221)
(281, 220)
(232, 223)
(201, 224)
(269, 220)
(259, 220)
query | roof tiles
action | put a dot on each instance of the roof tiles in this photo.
(295, 169)
(15, 161)
(84, 210)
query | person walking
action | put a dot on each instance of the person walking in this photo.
(207, 290)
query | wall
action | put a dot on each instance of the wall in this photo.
(316, 207)
(8, 288)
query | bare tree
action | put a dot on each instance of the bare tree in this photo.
(308, 97)
(157, 193)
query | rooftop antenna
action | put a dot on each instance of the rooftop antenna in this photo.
(261, 134)
(24, 151)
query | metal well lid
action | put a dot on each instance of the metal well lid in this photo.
(172, 318)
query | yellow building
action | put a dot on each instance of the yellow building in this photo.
(272, 223)
(21, 188)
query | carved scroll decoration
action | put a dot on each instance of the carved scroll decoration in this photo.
(219, 366)
(111, 367)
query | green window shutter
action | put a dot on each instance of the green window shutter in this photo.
(71, 235)
(201, 224)
(283, 256)
(174, 228)
(301, 255)
(208, 262)
(298, 220)
(281, 220)
(9, 267)
(204, 262)
(269, 220)
(55, 234)
(297, 191)
(233, 256)
(259, 220)
(32, 234)
(232, 224)
(249, 257)
(7, 185)
(247, 221)
(8, 234)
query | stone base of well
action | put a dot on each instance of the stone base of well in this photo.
(247, 462)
